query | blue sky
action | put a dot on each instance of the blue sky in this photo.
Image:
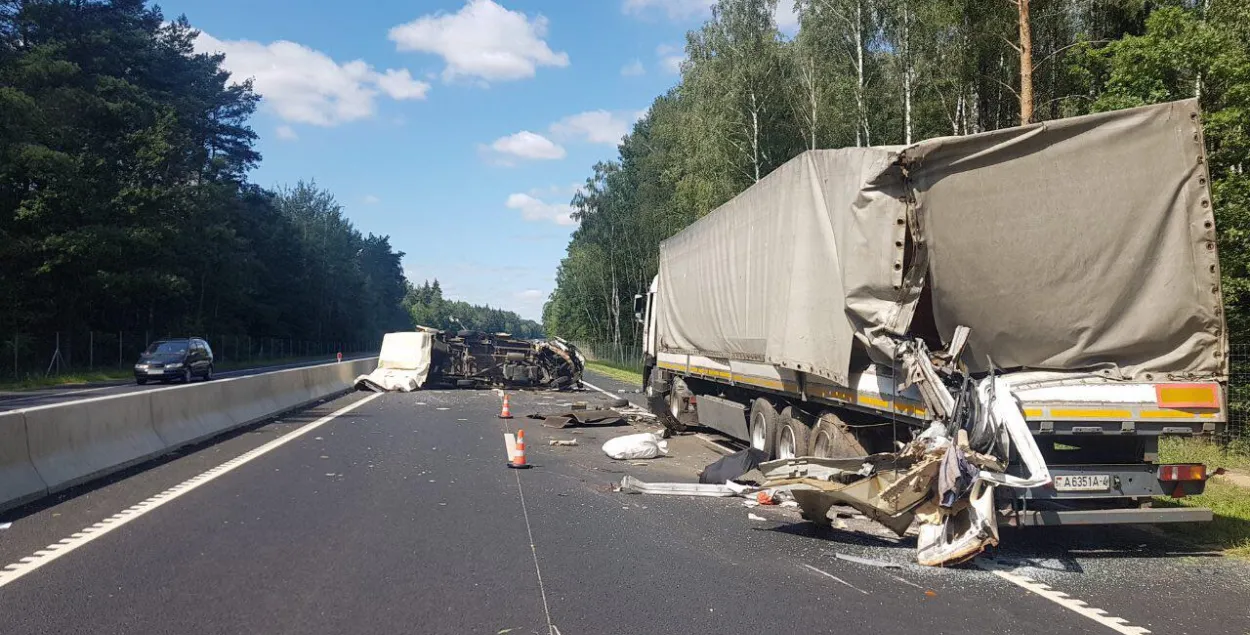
(459, 128)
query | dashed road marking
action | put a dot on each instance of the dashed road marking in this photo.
(1117, 624)
(21, 568)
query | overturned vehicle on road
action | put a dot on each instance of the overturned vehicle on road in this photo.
(472, 359)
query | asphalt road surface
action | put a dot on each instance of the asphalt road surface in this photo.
(398, 515)
(18, 399)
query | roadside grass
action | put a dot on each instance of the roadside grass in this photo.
(91, 377)
(1235, 455)
(616, 372)
(1230, 528)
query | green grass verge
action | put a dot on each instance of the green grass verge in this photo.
(621, 374)
(1230, 529)
(75, 378)
(1188, 450)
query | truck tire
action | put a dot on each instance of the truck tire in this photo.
(831, 438)
(793, 437)
(657, 402)
(762, 427)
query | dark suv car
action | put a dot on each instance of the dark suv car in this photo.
(182, 359)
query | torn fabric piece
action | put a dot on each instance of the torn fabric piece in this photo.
(954, 477)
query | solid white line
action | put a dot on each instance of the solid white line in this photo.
(590, 385)
(834, 577)
(542, 589)
(56, 550)
(1116, 624)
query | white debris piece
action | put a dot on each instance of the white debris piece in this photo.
(647, 445)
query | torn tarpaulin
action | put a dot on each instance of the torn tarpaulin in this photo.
(732, 466)
(605, 418)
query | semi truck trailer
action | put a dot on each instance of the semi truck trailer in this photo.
(1072, 262)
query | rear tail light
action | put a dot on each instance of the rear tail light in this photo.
(1192, 472)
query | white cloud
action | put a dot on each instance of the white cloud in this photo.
(530, 294)
(676, 9)
(286, 133)
(633, 69)
(534, 209)
(399, 84)
(528, 145)
(303, 85)
(483, 40)
(671, 57)
(371, 200)
(595, 126)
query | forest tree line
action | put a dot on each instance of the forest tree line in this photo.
(124, 198)
(428, 307)
(885, 72)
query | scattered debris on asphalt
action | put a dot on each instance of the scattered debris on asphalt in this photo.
(944, 478)
(647, 445)
(631, 485)
(867, 561)
(606, 418)
(733, 466)
(4, 526)
(563, 443)
(754, 517)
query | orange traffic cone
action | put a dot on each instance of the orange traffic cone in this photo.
(506, 413)
(518, 458)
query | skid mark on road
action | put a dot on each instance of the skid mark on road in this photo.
(1117, 624)
(29, 564)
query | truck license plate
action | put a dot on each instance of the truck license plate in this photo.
(1082, 482)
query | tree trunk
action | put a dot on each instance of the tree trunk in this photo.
(862, 135)
(1026, 64)
(755, 135)
(908, 73)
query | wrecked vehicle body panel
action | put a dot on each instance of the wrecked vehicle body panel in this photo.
(472, 359)
(1050, 291)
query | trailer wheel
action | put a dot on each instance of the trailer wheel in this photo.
(657, 402)
(832, 439)
(793, 437)
(763, 427)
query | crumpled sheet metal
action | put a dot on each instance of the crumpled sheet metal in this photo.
(632, 485)
(961, 535)
(390, 380)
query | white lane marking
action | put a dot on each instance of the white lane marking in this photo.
(56, 550)
(834, 577)
(1117, 624)
(542, 589)
(590, 385)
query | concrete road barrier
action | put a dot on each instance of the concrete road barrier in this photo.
(191, 413)
(76, 442)
(19, 482)
(51, 448)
